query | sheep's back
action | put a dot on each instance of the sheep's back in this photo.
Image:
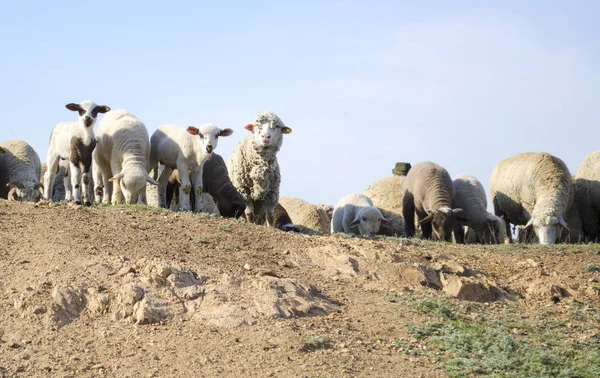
(20, 163)
(305, 214)
(431, 186)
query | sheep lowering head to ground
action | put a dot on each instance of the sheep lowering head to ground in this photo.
(470, 196)
(428, 193)
(20, 169)
(355, 214)
(74, 141)
(387, 194)
(535, 190)
(254, 169)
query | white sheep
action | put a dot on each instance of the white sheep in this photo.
(62, 182)
(587, 196)
(355, 214)
(74, 141)
(254, 169)
(20, 169)
(122, 158)
(469, 195)
(185, 150)
(535, 190)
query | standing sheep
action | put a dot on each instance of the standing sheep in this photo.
(387, 194)
(74, 141)
(587, 196)
(535, 190)
(19, 172)
(470, 196)
(62, 181)
(122, 157)
(355, 214)
(254, 169)
(186, 150)
(309, 216)
(429, 193)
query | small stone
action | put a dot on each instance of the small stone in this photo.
(246, 266)
(97, 367)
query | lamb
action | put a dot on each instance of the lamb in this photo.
(587, 196)
(387, 194)
(470, 196)
(19, 172)
(62, 181)
(355, 214)
(187, 151)
(254, 169)
(308, 216)
(535, 190)
(74, 141)
(429, 193)
(122, 158)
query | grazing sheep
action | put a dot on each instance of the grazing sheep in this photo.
(355, 214)
(470, 196)
(186, 150)
(306, 215)
(535, 190)
(253, 167)
(122, 158)
(587, 196)
(19, 172)
(218, 184)
(429, 193)
(74, 141)
(387, 194)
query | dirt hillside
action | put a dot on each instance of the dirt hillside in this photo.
(140, 292)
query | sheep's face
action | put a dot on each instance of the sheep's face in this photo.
(209, 136)
(231, 210)
(442, 221)
(547, 229)
(493, 232)
(368, 220)
(88, 111)
(133, 184)
(19, 192)
(267, 129)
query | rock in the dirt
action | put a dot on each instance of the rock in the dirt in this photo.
(420, 275)
(336, 265)
(151, 310)
(450, 267)
(469, 289)
(546, 289)
(67, 303)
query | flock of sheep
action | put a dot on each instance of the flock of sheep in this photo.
(534, 191)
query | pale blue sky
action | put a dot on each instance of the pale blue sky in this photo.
(461, 83)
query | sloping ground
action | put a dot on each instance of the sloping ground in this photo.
(133, 291)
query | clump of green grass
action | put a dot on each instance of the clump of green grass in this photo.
(201, 239)
(591, 268)
(438, 306)
(314, 343)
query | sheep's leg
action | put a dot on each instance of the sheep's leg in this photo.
(269, 212)
(197, 184)
(162, 186)
(459, 233)
(249, 212)
(186, 187)
(426, 230)
(99, 187)
(52, 160)
(408, 211)
(86, 181)
(68, 187)
(117, 194)
(76, 182)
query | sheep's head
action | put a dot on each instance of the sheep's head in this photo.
(547, 228)
(493, 231)
(442, 221)
(368, 220)
(231, 209)
(20, 192)
(209, 135)
(88, 111)
(133, 183)
(268, 129)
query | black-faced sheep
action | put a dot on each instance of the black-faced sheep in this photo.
(122, 157)
(469, 195)
(20, 169)
(74, 141)
(186, 150)
(428, 193)
(355, 214)
(254, 169)
(535, 190)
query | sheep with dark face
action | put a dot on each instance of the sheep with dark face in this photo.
(428, 193)
(19, 172)
(254, 169)
(535, 190)
(186, 150)
(74, 141)
(470, 196)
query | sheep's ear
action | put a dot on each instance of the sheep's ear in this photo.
(529, 224)
(73, 106)
(193, 130)
(14, 184)
(457, 210)
(100, 109)
(562, 222)
(116, 177)
(355, 222)
(427, 219)
(286, 130)
(385, 222)
(151, 180)
(249, 127)
(226, 132)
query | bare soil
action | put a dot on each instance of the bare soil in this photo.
(139, 292)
